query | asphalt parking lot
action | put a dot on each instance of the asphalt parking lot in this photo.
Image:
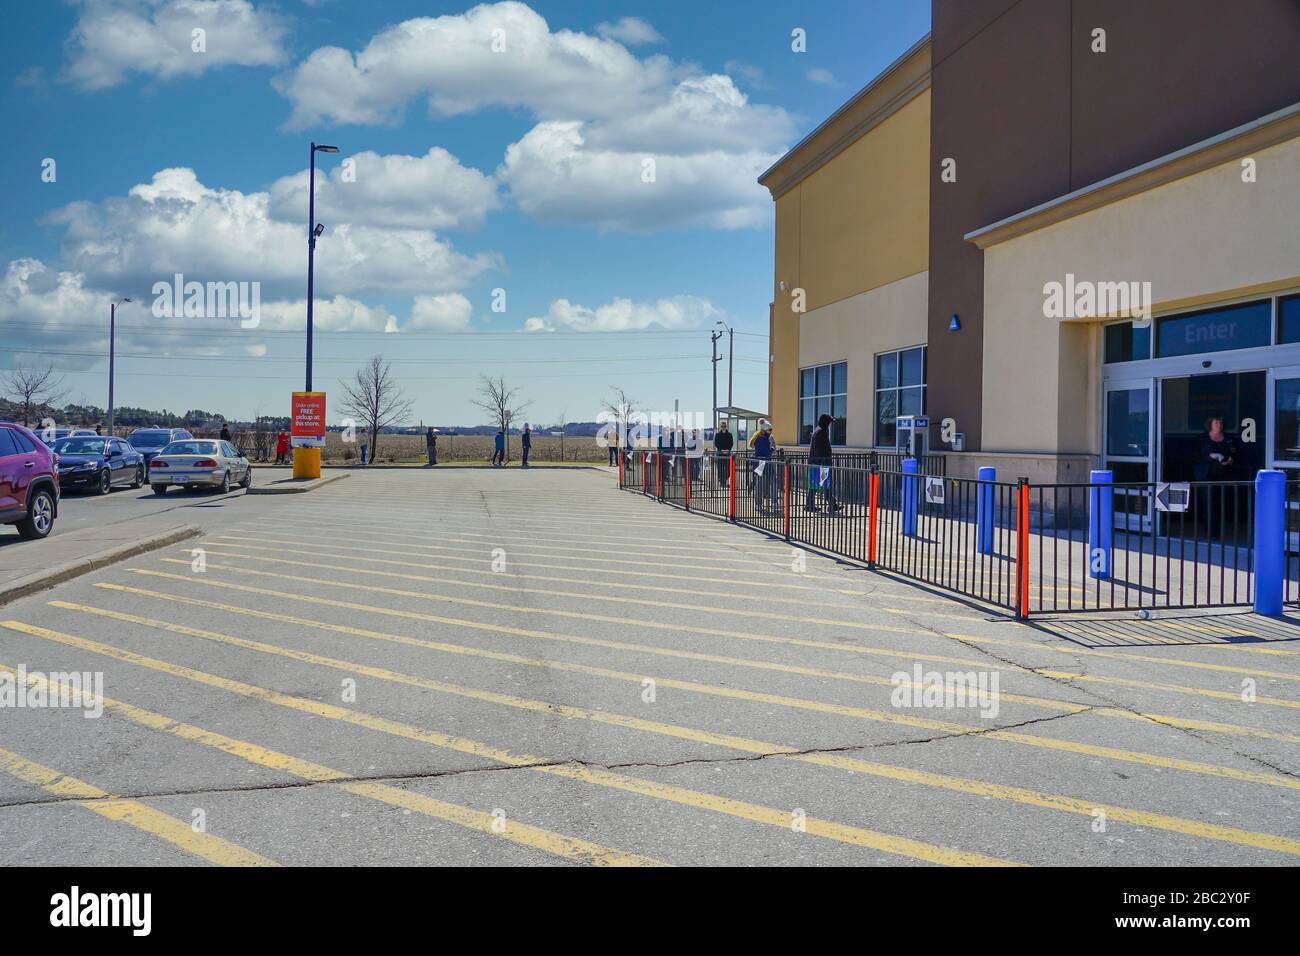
(470, 667)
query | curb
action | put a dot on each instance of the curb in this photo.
(310, 485)
(42, 580)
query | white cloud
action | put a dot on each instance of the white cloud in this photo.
(433, 191)
(822, 77)
(630, 30)
(554, 176)
(156, 37)
(448, 312)
(175, 223)
(601, 111)
(450, 60)
(339, 314)
(624, 315)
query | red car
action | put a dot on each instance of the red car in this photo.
(29, 482)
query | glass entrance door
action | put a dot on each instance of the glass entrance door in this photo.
(1128, 429)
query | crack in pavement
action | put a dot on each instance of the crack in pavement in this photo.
(533, 765)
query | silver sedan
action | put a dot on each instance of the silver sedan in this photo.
(199, 463)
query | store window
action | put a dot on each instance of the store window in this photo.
(1127, 343)
(1244, 326)
(1288, 320)
(900, 390)
(824, 390)
(1286, 419)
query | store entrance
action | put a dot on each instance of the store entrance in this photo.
(1239, 398)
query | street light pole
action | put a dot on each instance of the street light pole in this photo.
(312, 233)
(713, 343)
(112, 354)
(731, 363)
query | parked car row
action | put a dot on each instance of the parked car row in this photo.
(36, 469)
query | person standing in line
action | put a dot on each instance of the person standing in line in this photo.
(281, 448)
(819, 458)
(764, 447)
(499, 452)
(225, 432)
(431, 445)
(612, 443)
(99, 429)
(526, 440)
(694, 454)
(723, 442)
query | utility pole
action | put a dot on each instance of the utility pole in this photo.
(713, 342)
(112, 348)
(731, 365)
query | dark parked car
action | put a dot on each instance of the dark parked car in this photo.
(150, 441)
(29, 482)
(98, 464)
(51, 435)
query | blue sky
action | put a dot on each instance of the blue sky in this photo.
(520, 168)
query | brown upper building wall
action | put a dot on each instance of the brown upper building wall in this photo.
(1029, 112)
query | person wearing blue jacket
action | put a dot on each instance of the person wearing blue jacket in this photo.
(499, 454)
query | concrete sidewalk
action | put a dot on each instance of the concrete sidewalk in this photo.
(29, 566)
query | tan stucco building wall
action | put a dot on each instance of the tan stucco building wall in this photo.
(853, 330)
(858, 222)
(1202, 238)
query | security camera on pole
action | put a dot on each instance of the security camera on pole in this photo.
(307, 424)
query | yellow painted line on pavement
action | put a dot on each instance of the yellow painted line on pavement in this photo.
(605, 562)
(1057, 705)
(333, 551)
(556, 844)
(761, 638)
(229, 541)
(462, 554)
(133, 813)
(843, 833)
(730, 612)
(732, 693)
(770, 815)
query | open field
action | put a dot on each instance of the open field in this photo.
(410, 448)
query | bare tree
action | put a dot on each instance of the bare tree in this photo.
(621, 408)
(501, 403)
(33, 388)
(374, 398)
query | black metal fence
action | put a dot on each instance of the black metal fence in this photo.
(1032, 549)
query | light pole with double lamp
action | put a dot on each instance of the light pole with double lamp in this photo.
(112, 350)
(306, 460)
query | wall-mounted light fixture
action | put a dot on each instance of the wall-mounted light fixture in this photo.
(954, 324)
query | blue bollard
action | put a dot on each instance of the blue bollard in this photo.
(1101, 521)
(1270, 540)
(984, 510)
(910, 482)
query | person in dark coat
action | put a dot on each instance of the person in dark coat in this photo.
(723, 443)
(819, 457)
(526, 440)
(225, 432)
(1215, 461)
(499, 450)
(431, 445)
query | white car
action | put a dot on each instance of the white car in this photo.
(199, 463)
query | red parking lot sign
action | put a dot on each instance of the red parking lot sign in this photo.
(308, 420)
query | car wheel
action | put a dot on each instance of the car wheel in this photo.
(225, 484)
(247, 481)
(40, 516)
(139, 477)
(105, 481)
(159, 489)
